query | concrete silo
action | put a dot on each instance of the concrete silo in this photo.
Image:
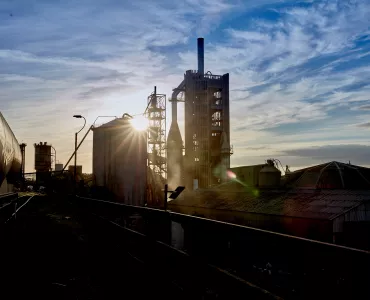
(120, 160)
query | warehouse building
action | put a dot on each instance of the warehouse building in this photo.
(328, 202)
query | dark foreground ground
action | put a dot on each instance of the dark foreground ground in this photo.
(48, 253)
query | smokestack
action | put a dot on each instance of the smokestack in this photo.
(23, 163)
(201, 56)
(154, 98)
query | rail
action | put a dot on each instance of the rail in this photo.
(285, 265)
(8, 196)
(11, 204)
(8, 206)
(207, 75)
(213, 76)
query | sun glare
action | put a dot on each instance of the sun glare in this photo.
(139, 123)
(231, 174)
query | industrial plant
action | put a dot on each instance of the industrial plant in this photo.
(162, 213)
(135, 169)
(134, 166)
(147, 166)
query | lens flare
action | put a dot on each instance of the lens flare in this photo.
(140, 123)
(231, 174)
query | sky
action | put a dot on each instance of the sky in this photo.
(299, 71)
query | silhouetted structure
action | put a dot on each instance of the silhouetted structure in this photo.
(78, 172)
(207, 129)
(58, 167)
(120, 160)
(42, 162)
(23, 153)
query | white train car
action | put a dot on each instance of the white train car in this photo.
(10, 154)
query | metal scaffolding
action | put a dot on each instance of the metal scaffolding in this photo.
(156, 114)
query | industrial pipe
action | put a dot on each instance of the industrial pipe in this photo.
(174, 100)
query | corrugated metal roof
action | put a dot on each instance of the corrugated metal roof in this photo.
(317, 204)
(332, 175)
(321, 192)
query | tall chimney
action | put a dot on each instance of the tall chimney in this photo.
(201, 56)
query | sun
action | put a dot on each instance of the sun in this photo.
(140, 123)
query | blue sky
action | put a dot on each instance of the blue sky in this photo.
(299, 70)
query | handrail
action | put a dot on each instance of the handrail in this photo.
(8, 195)
(245, 251)
(175, 215)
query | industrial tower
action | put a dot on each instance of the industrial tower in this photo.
(42, 162)
(207, 129)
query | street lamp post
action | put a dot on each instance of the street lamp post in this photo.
(75, 164)
(78, 146)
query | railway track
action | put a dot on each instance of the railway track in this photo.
(11, 204)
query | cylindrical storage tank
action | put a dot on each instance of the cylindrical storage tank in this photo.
(120, 161)
(10, 154)
(58, 167)
(269, 176)
(71, 169)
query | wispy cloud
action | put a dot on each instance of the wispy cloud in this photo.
(298, 70)
(301, 69)
(365, 125)
(363, 107)
(357, 154)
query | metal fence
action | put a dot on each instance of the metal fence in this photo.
(289, 266)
